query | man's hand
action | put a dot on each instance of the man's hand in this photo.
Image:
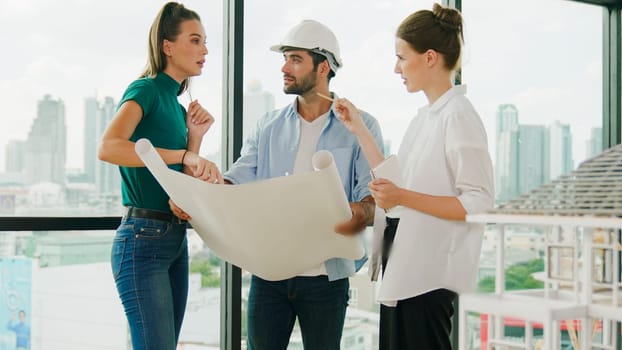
(362, 216)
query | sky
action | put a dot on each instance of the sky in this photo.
(544, 56)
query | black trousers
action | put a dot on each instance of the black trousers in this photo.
(418, 323)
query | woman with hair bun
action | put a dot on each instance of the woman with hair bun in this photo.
(429, 253)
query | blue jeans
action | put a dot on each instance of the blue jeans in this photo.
(319, 304)
(150, 266)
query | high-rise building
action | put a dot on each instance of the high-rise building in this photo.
(532, 159)
(595, 143)
(546, 151)
(529, 155)
(107, 178)
(506, 165)
(507, 118)
(15, 154)
(44, 159)
(91, 107)
(256, 103)
(97, 116)
(560, 140)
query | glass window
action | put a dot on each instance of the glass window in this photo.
(365, 31)
(59, 87)
(536, 80)
(534, 73)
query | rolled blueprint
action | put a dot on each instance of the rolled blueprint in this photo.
(276, 228)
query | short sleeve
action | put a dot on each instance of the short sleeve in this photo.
(142, 91)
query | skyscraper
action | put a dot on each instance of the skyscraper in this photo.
(595, 143)
(97, 116)
(45, 148)
(107, 178)
(91, 107)
(256, 103)
(532, 158)
(560, 149)
(506, 165)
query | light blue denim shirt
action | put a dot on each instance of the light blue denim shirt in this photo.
(270, 151)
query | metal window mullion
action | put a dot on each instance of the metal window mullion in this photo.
(69, 223)
(612, 91)
(455, 320)
(231, 275)
(457, 4)
(612, 65)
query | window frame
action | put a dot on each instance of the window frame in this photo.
(230, 322)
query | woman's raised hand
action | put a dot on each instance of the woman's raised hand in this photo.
(349, 116)
(198, 119)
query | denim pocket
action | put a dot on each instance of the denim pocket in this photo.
(117, 255)
(150, 229)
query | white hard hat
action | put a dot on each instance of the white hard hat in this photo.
(315, 37)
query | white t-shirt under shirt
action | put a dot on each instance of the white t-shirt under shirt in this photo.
(309, 135)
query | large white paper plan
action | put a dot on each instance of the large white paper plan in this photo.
(276, 228)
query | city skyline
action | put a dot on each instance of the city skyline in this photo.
(98, 112)
(529, 155)
(56, 59)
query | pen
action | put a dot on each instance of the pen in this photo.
(324, 96)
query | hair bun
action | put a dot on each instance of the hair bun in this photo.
(448, 18)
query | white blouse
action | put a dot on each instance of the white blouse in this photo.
(444, 153)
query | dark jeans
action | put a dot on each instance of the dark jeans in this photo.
(150, 266)
(319, 304)
(422, 322)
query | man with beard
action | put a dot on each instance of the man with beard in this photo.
(282, 143)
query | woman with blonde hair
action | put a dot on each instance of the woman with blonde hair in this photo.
(150, 254)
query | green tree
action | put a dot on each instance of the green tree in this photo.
(518, 276)
(205, 268)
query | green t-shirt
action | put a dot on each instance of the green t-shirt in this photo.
(164, 124)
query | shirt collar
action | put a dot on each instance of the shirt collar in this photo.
(167, 82)
(448, 95)
(293, 112)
